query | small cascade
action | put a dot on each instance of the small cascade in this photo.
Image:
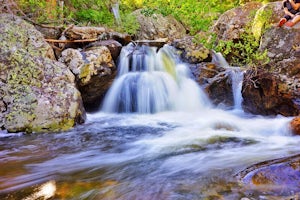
(219, 60)
(149, 82)
(115, 10)
(237, 76)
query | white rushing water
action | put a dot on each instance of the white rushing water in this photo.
(150, 82)
(116, 12)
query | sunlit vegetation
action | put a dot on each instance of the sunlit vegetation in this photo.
(195, 15)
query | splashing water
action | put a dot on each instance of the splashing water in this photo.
(115, 10)
(150, 82)
(237, 81)
(236, 75)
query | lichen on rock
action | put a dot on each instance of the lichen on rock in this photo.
(37, 94)
(94, 70)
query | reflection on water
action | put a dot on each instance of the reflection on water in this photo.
(169, 155)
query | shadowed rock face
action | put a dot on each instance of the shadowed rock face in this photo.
(266, 93)
(216, 81)
(37, 94)
(278, 176)
(94, 70)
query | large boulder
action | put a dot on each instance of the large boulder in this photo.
(269, 93)
(37, 94)
(157, 26)
(282, 46)
(17, 34)
(232, 23)
(94, 69)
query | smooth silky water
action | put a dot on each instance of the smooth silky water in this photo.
(157, 136)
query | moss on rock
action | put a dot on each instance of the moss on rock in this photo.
(39, 94)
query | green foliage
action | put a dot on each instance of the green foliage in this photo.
(129, 24)
(195, 15)
(92, 11)
(242, 52)
(94, 17)
(148, 11)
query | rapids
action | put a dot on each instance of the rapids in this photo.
(157, 136)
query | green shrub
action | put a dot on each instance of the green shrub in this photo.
(94, 17)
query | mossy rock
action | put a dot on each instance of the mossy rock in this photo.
(40, 94)
(16, 33)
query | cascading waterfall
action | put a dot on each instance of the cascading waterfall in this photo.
(165, 155)
(115, 10)
(236, 76)
(151, 82)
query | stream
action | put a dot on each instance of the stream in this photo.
(157, 136)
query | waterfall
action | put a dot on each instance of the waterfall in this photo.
(219, 60)
(115, 10)
(150, 81)
(236, 75)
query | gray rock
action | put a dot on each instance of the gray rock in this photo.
(37, 94)
(94, 69)
(158, 26)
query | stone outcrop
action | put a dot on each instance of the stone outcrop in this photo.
(37, 94)
(279, 176)
(157, 26)
(94, 69)
(216, 81)
(274, 88)
(232, 23)
(269, 94)
(190, 51)
(16, 34)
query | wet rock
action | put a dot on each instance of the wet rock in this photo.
(295, 125)
(216, 81)
(37, 94)
(279, 176)
(268, 93)
(158, 26)
(94, 69)
(190, 51)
